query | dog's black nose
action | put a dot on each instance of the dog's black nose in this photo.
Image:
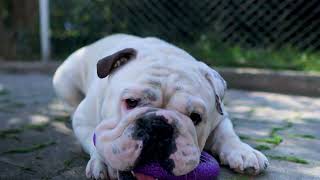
(157, 136)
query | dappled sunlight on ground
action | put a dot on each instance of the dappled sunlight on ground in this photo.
(273, 106)
(311, 171)
(285, 127)
(12, 122)
(61, 128)
(38, 119)
(37, 141)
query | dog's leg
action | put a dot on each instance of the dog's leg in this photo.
(68, 80)
(238, 155)
(68, 92)
(84, 123)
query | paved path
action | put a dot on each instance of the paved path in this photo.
(37, 141)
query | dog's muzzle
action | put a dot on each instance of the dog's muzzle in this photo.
(158, 137)
(150, 135)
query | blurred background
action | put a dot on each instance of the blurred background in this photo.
(269, 34)
(36, 138)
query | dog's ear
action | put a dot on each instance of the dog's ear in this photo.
(219, 86)
(108, 64)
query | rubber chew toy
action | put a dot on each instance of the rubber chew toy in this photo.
(208, 169)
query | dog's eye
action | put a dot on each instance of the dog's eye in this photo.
(132, 103)
(196, 118)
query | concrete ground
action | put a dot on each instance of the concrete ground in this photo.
(37, 140)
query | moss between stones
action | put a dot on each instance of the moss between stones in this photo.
(9, 132)
(289, 158)
(61, 118)
(32, 148)
(46, 177)
(15, 104)
(38, 157)
(6, 110)
(273, 138)
(21, 167)
(3, 91)
(67, 163)
(11, 106)
(251, 112)
(262, 147)
(276, 129)
(5, 100)
(305, 136)
(12, 133)
(244, 137)
(36, 127)
(276, 140)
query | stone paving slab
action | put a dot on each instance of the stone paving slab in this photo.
(37, 140)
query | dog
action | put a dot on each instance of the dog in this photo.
(144, 99)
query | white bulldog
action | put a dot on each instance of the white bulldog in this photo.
(145, 99)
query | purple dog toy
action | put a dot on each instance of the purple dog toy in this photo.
(208, 169)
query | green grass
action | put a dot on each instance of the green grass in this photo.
(216, 53)
(32, 148)
(289, 158)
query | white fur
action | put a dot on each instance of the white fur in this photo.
(95, 101)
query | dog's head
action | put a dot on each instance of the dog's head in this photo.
(156, 111)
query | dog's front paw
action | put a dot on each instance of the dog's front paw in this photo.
(96, 169)
(243, 159)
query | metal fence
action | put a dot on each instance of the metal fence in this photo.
(263, 24)
(249, 23)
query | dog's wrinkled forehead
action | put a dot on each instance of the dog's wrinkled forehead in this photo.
(108, 64)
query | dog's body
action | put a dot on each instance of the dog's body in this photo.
(159, 83)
